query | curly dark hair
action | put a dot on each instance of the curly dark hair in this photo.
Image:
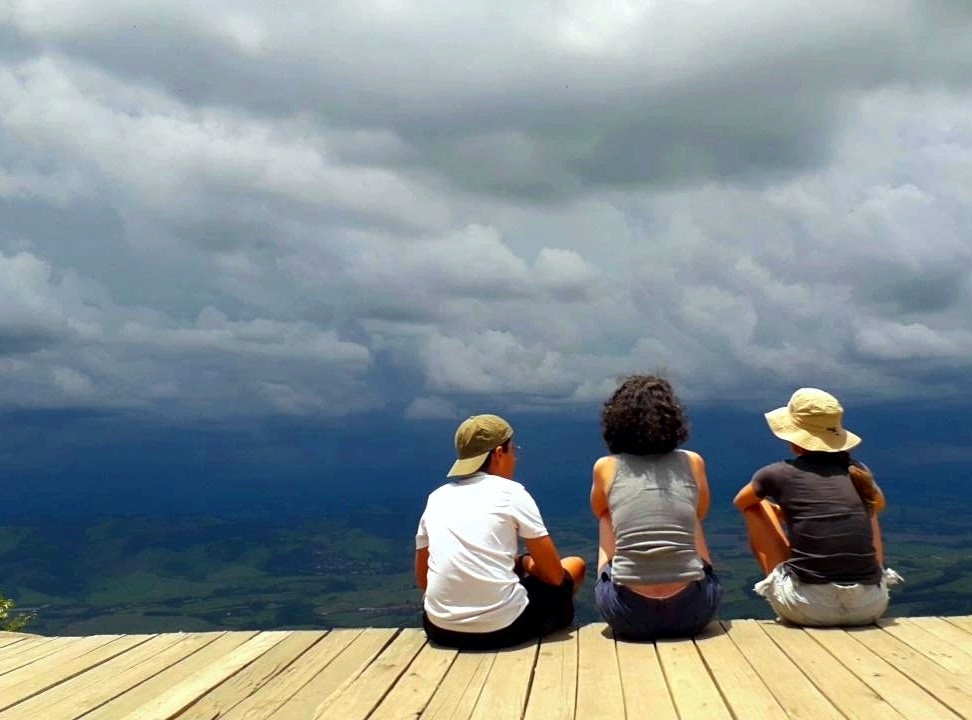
(643, 417)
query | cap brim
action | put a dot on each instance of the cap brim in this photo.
(781, 424)
(467, 466)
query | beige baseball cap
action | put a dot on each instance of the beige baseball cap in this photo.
(812, 420)
(476, 438)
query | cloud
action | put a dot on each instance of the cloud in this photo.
(206, 211)
(618, 94)
(430, 408)
(64, 342)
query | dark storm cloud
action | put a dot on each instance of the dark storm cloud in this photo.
(232, 209)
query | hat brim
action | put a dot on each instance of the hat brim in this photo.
(781, 424)
(467, 466)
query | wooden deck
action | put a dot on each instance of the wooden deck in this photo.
(905, 668)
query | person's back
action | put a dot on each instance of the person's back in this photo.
(655, 577)
(829, 528)
(653, 502)
(469, 525)
(479, 594)
(826, 567)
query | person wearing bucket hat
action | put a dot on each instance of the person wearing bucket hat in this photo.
(655, 577)
(479, 594)
(826, 566)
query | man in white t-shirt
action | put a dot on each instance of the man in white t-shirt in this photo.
(479, 594)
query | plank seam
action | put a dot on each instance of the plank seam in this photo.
(360, 669)
(874, 690)
(918, 648)
(798, 668)
(715, 681)
(438, 685)
(79, 672)
(577, 669)
(809, 679)
(533, 674)
(257, 688)
(394, 682)
(146, 679)
(668, 684)
(956, 625)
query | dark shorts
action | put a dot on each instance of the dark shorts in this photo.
(551, 607)
(636, 617)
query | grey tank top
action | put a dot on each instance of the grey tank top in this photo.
(653, 503)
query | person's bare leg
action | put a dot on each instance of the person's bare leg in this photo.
(576, 567)
(767, 539)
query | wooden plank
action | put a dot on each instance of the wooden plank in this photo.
(599, 690)
(169, 676)
(8, 639)
(359, 698)
(506, 686)
(341, 669)
(18, 646)
(412, 692)
(794, 692)
(459, 691)
(277, 691)
(929, 645)
(645, 691)
(36, 677)
(250, 679)
(173, 701)
(94, 688)
(738, 682)
(943, 628)
(846, 691)
(958, 643)
(65, 655)
(553, 693)
(19, 657)
(693, 690)
(963, 622)
(895, 688)
(950, 689)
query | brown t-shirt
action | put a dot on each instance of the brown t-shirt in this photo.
(828, 524)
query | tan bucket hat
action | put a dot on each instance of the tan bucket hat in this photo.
(476, 438)
(812, 420)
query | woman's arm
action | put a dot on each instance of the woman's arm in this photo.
(880, 502)
(702, 509)
(604, 471)
(746, 497)
(698, 470)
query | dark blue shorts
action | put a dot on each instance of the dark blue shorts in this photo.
(636, 617)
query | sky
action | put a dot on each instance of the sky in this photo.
(313, 212)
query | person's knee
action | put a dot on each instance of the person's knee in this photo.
(576, 568)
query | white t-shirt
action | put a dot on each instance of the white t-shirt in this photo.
(470, 527)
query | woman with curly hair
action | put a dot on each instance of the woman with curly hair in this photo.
(655, 577)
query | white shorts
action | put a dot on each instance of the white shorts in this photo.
(823, 605)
